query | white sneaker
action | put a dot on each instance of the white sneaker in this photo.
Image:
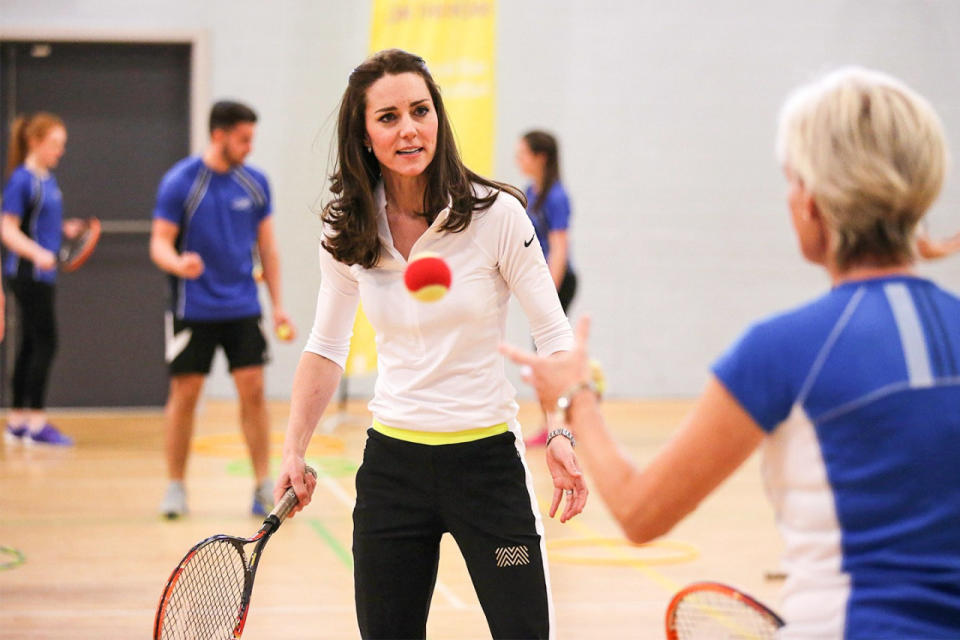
(174, 502)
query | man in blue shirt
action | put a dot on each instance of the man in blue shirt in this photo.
(212, 211)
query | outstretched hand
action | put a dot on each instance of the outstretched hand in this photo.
(931, 249)
(556, 374)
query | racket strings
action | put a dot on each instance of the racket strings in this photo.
(206, 598)
(70, 247)
(710, 615)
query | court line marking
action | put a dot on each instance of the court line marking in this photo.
(667, 584)
(346, 500)
(683, 552)
(338, 549)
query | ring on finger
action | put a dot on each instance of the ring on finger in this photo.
(569, 492)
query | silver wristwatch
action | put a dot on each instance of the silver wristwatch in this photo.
(561, 431)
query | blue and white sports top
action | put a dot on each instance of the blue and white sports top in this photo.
(39, 205)
(553, 215)
(859, 393)
(219, 216)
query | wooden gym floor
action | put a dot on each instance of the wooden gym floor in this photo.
(96, 556)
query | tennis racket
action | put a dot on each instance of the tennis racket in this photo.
(77, 249)
(715, 611)
(208, 595)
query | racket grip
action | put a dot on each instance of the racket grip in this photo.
(288, 501)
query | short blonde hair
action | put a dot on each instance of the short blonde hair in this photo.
(872, 153)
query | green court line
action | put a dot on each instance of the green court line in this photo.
(15, 558)
(338, 549)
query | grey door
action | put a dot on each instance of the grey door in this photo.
(126, 108)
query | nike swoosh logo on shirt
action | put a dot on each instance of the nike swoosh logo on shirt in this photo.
(530, 241)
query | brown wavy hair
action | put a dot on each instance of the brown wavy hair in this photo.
(352, 214)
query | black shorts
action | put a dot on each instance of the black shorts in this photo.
(191, 345)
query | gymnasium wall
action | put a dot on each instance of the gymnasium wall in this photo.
(666, 114)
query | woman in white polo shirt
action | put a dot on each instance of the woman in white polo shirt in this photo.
(444, 453)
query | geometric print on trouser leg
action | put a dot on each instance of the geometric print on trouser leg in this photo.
(512, 556)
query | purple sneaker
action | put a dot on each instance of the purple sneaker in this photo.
(15, 433)
(49, 434)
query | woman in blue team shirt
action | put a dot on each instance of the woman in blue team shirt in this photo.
(854, 395)
(32, 226)
(538, 158)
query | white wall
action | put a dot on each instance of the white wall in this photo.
(666, 113)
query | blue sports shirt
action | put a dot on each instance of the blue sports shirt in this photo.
(859, 393)
(219, 216)
(39, 205)
(553, 214)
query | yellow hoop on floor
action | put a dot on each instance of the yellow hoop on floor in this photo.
(681, 552)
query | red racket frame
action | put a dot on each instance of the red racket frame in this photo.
(716, 587)
(94, 229)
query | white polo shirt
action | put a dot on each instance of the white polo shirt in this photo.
(438, 365)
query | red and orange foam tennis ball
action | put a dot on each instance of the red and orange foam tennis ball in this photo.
(427, 277)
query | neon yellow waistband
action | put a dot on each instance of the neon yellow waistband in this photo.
(434, 437)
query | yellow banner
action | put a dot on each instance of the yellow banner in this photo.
(457, 39)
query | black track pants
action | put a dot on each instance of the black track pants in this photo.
(408, 496)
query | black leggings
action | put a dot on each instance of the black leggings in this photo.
(408, 496)
(38, 342)
(567, 289)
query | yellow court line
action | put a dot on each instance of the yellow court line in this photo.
(668, 585)
(682, 551)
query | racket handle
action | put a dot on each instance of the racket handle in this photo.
(287, 502)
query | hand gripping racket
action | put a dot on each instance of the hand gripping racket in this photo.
(76, 250)
(717, 611)
(208, 595)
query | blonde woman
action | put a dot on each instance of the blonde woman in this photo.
(854, 395)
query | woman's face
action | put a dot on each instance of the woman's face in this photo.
(49, 149)
(529, 163)
(401, 124)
